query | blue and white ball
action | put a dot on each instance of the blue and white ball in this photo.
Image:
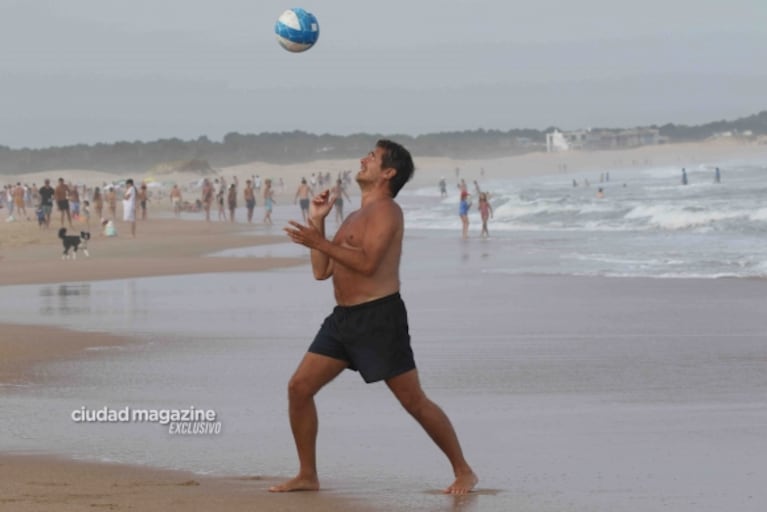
(297, 30)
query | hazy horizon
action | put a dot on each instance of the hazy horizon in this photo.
(88, 71)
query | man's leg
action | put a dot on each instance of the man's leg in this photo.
(312, 374)
(407, 388)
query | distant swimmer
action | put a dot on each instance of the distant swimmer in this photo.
(600, 193)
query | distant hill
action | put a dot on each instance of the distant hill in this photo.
(756, 124)
(297, 147)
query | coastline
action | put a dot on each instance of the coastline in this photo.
(429, 169)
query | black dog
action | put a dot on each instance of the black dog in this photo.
(74, 243)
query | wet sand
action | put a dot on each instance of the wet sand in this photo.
(32, 483)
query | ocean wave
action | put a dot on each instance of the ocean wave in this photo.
(670, 217)
(759, 215)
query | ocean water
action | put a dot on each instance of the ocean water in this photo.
(647, 224)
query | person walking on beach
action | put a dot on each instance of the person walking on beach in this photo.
(207, 197)
(684, 177)
(61, 195)
(339, 192)
(717, 176)
(231, 200)
(98, 203)
(18, 201)
(367, 330)
(268, 201)
(303, 195)
(112, 201)
(220, 198)
(485, 211)
(250, 199)
(143, 197)
(129, 205)
(74, 201)
(175, 200)
(46, 201)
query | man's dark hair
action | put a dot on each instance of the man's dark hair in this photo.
(398, 158)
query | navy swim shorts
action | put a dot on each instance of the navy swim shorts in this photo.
(372, 337)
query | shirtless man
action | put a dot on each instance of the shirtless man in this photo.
(250, 199)
(303, 195)
(363, 258)
(207, 197)
(61, 196)
(339, 192)
(175, 200)
(18, 200)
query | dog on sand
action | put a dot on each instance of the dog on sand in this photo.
(74, 242)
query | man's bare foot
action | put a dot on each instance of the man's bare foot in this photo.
(297, 484)
(464, 483)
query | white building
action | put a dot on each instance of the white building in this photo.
(556, 141)
(602, 139)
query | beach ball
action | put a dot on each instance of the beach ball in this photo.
(297, 30)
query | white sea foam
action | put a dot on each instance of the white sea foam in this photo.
(654, 226)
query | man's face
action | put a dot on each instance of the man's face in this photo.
(370, 166)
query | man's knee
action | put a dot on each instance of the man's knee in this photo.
(300, 388)
(413, 401)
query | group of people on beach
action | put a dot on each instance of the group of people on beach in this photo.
(226, 197)
(305, 192)
(74, 203)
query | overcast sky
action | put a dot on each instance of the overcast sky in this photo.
(87, 71)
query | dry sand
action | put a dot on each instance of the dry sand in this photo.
(162, 247)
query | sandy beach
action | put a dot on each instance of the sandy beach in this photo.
(577, 393)
(31, 483)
